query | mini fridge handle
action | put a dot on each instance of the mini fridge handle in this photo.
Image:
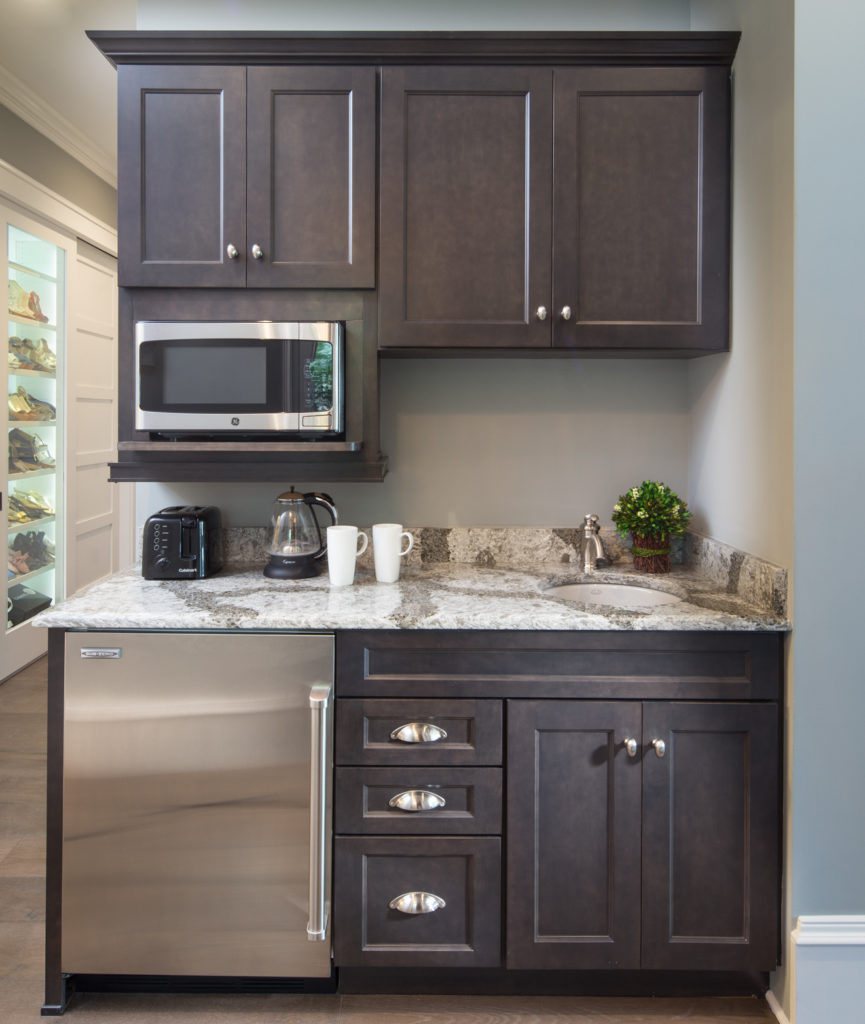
(316, 928)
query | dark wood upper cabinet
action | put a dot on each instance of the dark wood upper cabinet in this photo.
(465, 200)
(311, 177)
(569, 208)
(259, 177)
(181, 175)
(641, 209)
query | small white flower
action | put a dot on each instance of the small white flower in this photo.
(675, 510)
(642, 514)
(617, 507)
(635, 492)
(661, 488)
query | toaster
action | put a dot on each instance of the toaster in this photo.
(182, 542)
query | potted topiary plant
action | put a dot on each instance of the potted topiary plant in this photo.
(651, 513)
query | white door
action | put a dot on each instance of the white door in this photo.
(93, 547)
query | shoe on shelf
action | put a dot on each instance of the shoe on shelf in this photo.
(28, 452)
(23, 406)
(40, 354)
(32, 502)
(25, 304)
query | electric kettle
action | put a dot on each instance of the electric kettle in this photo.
(297, 543)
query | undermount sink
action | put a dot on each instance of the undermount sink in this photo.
(616, 595)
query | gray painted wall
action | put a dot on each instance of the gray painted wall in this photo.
(496, 442)
(348, 15)
(31, 152)
(828, 807)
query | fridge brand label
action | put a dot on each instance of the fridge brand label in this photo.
(100, 652)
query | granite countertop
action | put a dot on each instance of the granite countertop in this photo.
(434, 595)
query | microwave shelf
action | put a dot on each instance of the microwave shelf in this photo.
(296, 447)
(244, 461)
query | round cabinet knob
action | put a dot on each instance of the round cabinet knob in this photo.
(417, 903)
(257, 252)
(231, 251)
(566, 313)
(660, 747)
(630, 746)
(541, 313)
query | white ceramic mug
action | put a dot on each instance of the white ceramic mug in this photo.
(386, 549)
(344, 544)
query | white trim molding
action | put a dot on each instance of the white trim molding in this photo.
(30, 107)
(20, 188)
(775, 1007)
(830, 930)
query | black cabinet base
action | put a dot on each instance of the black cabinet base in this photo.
(497, 981)
(188, 984)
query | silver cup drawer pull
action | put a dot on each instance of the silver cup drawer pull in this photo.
(416, 800)
(418, 732)
(417, 903)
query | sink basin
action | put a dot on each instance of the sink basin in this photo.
(616, 595)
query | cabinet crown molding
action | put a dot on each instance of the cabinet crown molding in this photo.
(626, 49)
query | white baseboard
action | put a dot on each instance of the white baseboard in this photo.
(775, 1007)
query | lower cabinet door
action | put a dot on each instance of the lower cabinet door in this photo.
(573, 835)
(711, 877)
(417, 901)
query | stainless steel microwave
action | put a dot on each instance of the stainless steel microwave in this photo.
(252, 378)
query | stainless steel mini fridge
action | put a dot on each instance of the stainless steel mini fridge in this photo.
(196, 804)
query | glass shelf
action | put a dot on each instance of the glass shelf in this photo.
(35, 270)
(27, 322)
(14, 527)
(30, 272)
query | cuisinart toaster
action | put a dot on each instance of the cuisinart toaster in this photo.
(182, 542)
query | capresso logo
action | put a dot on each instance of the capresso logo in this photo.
(100, 652)
(235, 421)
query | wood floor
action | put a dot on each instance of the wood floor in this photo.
(22, 874)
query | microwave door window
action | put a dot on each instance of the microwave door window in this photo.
(211, 376)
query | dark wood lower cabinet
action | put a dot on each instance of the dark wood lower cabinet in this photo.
(458, 878)
(639, 829)
(573, 840)
(710, 826)
(666, 857)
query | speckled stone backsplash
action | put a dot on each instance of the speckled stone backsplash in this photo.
(737, 573)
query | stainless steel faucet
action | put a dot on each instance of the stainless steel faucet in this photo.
(591, 547)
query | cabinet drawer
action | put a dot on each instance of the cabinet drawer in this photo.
(435, 732)
(452, 801)
(458, 879)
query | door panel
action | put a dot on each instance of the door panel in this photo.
(641, 207)
(311, 177)
(465, 200)
(181, 173)
(710, 835)
(573, 848)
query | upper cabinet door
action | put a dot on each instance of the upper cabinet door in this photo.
(641, 209)
(465, 207)
(311, 177)
(181, 175)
